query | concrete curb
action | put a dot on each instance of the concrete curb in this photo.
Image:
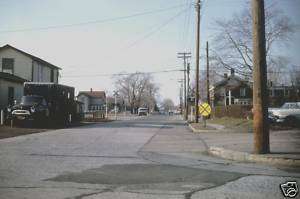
(247, 157)
(202, 131)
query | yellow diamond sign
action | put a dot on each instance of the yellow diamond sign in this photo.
(204, 109)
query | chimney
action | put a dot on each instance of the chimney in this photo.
(225, 75)
(91, 90)
(232, 71)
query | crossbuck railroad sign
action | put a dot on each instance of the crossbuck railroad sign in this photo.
(204, 109)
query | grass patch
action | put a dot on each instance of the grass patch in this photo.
(231, 122)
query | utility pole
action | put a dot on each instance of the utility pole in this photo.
(115, 94)
(198, 6)
(184, 56)
(260, 94)
(207, 74)
(188, 88)
(180, 95)
(106, 107)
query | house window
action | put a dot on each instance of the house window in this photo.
(286, 92)
(242, 92)
(8, 65)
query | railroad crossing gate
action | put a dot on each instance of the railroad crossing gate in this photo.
(205, 109)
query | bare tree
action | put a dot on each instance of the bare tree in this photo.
(295, 75)
(168, 104)
(137, 90)
(234, 39)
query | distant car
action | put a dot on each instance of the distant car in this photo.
(177, 112)
(288, 113)
(142, 111)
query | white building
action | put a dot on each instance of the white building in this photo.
(92, 100)
(16, 64)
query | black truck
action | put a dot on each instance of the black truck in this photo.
(45, 103)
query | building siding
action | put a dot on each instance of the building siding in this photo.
(22, 63)
(85, 100)
(18, 92)
(27, 68)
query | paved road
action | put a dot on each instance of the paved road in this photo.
(144, 157)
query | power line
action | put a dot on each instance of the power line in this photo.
(165, 23)
(187, 30)
(122, 74)
(91, 22)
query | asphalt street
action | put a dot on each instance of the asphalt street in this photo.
(136, 157)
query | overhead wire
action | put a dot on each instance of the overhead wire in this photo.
(187, 28)
(158, 28)
(122, 74)
(91, 22)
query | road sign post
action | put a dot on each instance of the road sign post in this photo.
(204, 110)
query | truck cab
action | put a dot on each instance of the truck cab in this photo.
(31, 107)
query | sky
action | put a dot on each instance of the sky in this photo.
(92, 39)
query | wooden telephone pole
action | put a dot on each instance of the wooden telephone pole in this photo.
(188, 89)
(198, 6)
(260, 93)
(207, 74)
(184, 56)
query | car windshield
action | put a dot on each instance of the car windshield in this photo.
(290, 106)
(31, 100)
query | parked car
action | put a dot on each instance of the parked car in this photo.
(142, 111)
(288, 113)
(271, 118)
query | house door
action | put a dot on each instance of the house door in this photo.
(11, 94)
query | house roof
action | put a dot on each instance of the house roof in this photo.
(31, 56)
(93, 94)
(10, 77)
(227, 79)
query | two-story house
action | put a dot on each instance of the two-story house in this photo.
(92, 100)
(17, 66)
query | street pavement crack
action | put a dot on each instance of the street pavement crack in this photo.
(46, 187)
(151, 138)
(145, 193)
(85, 156)
(89, 194)
(189, 195)
(201, 139)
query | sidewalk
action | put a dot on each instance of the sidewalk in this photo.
(285, 146)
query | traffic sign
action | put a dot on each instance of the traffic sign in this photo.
(205, 109)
